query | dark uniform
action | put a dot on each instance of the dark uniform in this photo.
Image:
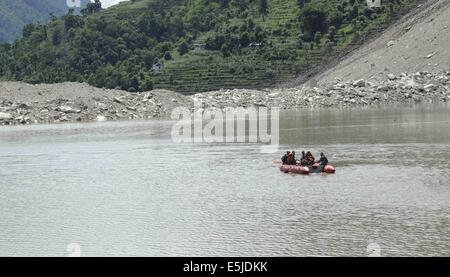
(284, 159)
(323, 160)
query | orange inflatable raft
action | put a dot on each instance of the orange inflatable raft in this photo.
(305, 170)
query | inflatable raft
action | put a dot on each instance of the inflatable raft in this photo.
(305, 170)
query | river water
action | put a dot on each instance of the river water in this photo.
(124, 188)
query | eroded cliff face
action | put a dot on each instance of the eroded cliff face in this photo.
(418, 42)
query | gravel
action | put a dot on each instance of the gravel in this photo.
(22, 103)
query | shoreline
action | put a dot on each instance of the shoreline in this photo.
(24, 104)
(166, 120)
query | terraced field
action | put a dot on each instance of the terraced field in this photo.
(209, 70)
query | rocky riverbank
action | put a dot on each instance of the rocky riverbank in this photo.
(388, 89)
(22, 103)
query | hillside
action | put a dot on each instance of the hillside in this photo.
(15, 14)
(405, 65)
(419, 42)
(195, 45)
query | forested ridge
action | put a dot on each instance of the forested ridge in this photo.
(191, 45)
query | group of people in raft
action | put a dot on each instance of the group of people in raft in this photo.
(307, 159)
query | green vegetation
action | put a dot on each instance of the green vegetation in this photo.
(191, 45)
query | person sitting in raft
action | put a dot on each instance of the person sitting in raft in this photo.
(310, 158)
(303, 160)
(291, 158)
(284, 159)
(294, 160)
(323, 160)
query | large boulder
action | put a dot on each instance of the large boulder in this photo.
(101, 118)
(359, 83)
(67, 109)
(5, 116)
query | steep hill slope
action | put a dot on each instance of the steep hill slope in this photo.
(194, 45)
(419, 42)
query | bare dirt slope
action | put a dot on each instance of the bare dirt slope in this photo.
(418, 42)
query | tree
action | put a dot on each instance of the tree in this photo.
(56, 36)
(270, 74)
(244, 39)
(28, 29)
(263, 7)
(317, 38)
(225, 49)
(183, 48)
(146, 84)
(332, 33)
(313, 19)
(328, 46)
(300, 41)
(167, 56)
(301, 3)
(71, 20)
(92, 8)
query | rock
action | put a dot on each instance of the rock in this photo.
(359, 83)
(5, 116)
(390, 43)
(63, 118)
(430, 55)
(383, 88)
(409, 84)
(339, 86)
(22, 119)
(24, 106)
(67, 109)
(429, 87)
(392, 77)
(148, 95)
(101, 106)
(362, 94)
(101, 118)
(118, 100)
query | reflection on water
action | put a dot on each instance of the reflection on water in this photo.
(125, 189)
